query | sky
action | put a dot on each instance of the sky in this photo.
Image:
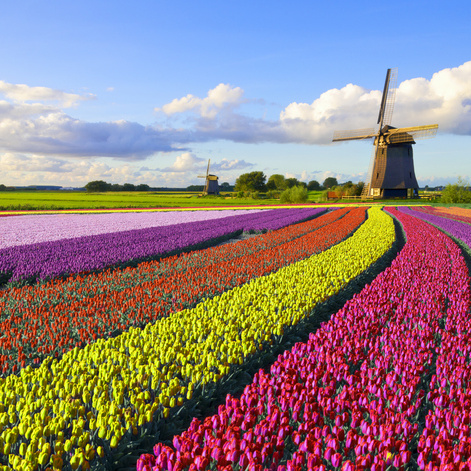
(148, 91)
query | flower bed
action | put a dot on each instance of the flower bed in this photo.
(354, 396)
(95, 399)
(457, 229)
(34, 229)
(458, 214)
(83, 254)
(39, 324)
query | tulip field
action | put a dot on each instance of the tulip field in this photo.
(160, 341)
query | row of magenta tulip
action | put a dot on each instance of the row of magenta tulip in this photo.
(458, 229)
(446, 438)
(351, 398)
(36, 326)
(68, 412)
(46, 260)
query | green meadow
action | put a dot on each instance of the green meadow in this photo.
(51, 200)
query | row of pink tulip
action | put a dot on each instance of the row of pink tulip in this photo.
(353, 396)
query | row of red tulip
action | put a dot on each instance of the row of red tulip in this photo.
(33, 328)
(353, 397)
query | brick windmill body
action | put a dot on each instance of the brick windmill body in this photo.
(391, 173)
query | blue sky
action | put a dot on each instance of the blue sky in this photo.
(148, 91)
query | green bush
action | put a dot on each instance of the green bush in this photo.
(296, 194)
(456, 193)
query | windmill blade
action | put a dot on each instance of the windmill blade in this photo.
(391, 97)
(354, 134)
(207, 171)
(387, 100)
(396, 136)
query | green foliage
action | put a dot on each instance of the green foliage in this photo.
(292, 182)
(272, 194)
(458, 192)
(253, 181)
(98, 186)
(276, 182)
(295, 194)
(329, 182)
(314, 185)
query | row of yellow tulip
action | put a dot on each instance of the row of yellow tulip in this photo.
(76, 409)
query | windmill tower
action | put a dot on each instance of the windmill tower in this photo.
(391, 173)
(211, 186)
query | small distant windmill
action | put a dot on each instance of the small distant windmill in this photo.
(391, 173)
(211, 186)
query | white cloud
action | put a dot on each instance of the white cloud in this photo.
(186, 162)
(218, 98)
(23, 93)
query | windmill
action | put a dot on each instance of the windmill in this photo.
(391, 173)
(211, 186)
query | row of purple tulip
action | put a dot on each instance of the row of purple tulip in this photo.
(83, 254)
(353, 396)
(36, 228)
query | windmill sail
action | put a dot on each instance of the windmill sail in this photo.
(387, 100)
(354, 134)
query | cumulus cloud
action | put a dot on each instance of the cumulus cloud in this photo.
(444, 99)
(32, 120)
(221, 97)
(189, 162)
(229, 165)
(185, 162)
(24, 93)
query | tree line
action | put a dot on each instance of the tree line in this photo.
(257, 181)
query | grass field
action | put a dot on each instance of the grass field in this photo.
(48, 200)
(57, 200)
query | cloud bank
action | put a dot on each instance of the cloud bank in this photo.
(32, 119)
(37, 128)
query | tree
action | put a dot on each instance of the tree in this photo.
(329, 182)
(276, 182)
(314, 185)
(253, 181)
(359, 188)
(225, 186)
(129, 187)
(195, 188)
(292, 182)
(97, 186)
(142, 187)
